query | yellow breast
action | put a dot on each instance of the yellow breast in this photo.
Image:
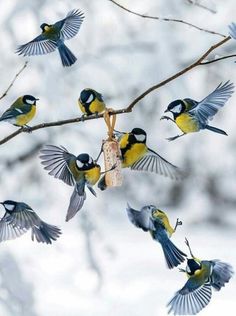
(93, 175)
(23, 119)
(186, 123)
(82, 108)
(97, 106)
(133, 154)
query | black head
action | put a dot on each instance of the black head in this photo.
(9, 205)
(84, 162)
(29, 99)
(192, 266)
(176, 107)
(139, 134)
(87, 96)
(44, 26)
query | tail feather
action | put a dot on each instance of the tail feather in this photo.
(102, 184)
(76, 202)
(67, 57)
(216, 130)
(45, 233)
(173, 255)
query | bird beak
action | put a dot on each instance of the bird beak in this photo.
(36, 99)
(166, 111)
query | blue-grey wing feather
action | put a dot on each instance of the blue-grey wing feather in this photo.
(208, 107)
(56, 160)
(70, 26)
(232, 30)
(191, 299)
(153, 162)
(141, 219)
(40, 45)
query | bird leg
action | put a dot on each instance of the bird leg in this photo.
(27, 129)
(188, 245)
(112, 168)
(175, 137)
(83, 116)
(178, 223)
(100, 152)
(166, 118)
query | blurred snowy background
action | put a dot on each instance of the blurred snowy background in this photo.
(102, 265)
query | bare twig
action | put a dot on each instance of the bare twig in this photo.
(166, 19)
(200, 5)
(25, 156)
(14, 79)
(130, 107)
(217, 59)
(178, 74)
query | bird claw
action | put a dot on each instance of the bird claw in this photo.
(82, 118)
(27, 129)
(179, 223)
(165, 118)
(170, 139)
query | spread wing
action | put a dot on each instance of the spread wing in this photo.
(70, 26)
(141, 219)
(208, 107)
(232, 30)
(9, 231)
(56, 160)
(38, 46)
(191, 299)
(152, 162)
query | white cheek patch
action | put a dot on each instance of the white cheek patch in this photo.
(188, 269)
(90, 99)
(90, 160)
(9, 207)
(140, 138)
(30, 101)
(79, 164)
(177, 108)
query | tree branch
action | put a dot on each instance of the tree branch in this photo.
(130, 107)
(14, 79)
(217, 59)
(166, 19)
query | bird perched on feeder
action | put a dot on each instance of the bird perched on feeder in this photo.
(150, 219)
(19, 218)
(203, 275)
(91, 102)
(79, 171)
(192, 116)
(53, 37)
(21, 112)
(135, 154)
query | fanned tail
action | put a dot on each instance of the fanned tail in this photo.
(173, 255)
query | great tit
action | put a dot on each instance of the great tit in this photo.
(137, 156)
(53, 37)
(192, 116)
(150, 219)
(21, 111)
(203, 275)
(75, 171)
(91, 102)
(232, 30)
(19, 218)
